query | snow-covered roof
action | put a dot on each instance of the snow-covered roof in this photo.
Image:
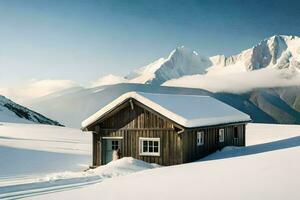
(186, 110)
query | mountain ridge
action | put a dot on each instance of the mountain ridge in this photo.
(279, 52)
(15, 113)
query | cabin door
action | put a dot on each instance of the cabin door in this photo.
(109, 146)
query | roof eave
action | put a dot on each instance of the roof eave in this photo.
(221, 124)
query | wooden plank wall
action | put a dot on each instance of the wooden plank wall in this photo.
(139, 122)
(192, 152)
(170, 144)
(137, 118)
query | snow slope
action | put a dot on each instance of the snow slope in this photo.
(268, 168)
(15, 113)
(33, 149)
(36, 158)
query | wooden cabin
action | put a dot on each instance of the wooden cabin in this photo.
(166, 129)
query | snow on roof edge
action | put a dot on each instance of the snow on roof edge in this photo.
(167, 113)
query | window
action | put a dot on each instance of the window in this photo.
(200, 138)
(235, 133)
(114, 144)
(149, 146)
(221, 135)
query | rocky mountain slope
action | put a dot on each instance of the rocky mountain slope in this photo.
(15, 113)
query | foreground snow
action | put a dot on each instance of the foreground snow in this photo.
(40, 158)
(31, 150)
(71, 180)
(45, 138)
(266, 169)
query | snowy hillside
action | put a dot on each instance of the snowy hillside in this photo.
(15, 113)
(266, 169)
(31, 152)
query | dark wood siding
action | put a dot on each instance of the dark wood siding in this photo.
(136, 118)
(192, 152)
(131, 124)
(170, 144)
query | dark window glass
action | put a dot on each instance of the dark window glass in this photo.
(235, 133)
(151, 149)
(150, 143)
(145, 146)
(156, 149)
(114, 144)
(145, 143)
(156, 143)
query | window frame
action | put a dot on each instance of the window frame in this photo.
(141, 146)
(200, 141)
(221, 135)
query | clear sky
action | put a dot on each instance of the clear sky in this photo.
(83, 40)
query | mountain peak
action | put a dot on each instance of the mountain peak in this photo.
(181, 50)
(180, 62)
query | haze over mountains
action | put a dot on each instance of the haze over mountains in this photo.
(262, 81)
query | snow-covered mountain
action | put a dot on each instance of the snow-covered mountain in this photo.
(279, 52)
(275, 53)
(262, 81)
(277, 56)
(15, 113)
(180, 62)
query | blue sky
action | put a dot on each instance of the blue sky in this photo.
(83, 40)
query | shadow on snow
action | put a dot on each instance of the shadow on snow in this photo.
(255, 149)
